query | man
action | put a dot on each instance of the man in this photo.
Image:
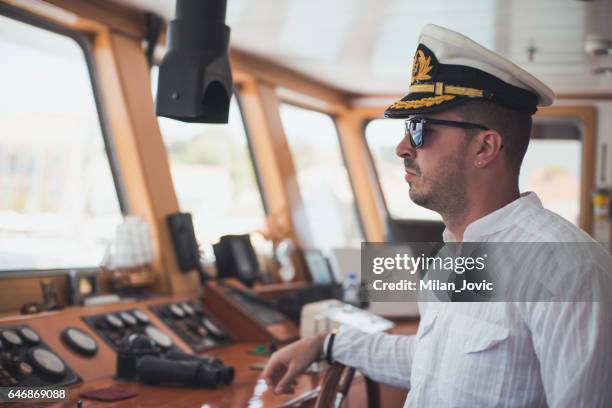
(469, 119)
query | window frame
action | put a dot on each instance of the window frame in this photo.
(85, 43)
(256, 171)
(333, 118)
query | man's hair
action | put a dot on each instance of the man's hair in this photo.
(513, 126)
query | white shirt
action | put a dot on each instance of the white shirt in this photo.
(497, 354)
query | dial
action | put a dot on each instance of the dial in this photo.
(47, 362)
(141, 316)
(114, 322)
(188, 309)
(212, 328)
(11, 338)
(29, 335)
(159, 337)
(177, 312)
(128, 318)
(79, 341)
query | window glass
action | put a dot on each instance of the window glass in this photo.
(382, 136)
(322, 177)
(554, 177)
(58, 202)
(213, 175)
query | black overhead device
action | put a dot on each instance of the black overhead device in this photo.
(26, 361)
(235, 258)
(195, 80)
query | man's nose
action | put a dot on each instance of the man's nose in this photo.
(405, 149)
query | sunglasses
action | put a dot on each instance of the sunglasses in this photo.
(416, 128)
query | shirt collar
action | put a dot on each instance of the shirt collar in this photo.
(498, 220)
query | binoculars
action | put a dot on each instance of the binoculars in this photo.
(139, 359)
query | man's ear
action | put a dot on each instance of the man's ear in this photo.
(488, 146)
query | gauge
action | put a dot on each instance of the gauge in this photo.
(114, 322)
(141, 316)
(79, 341)
(159, 337)
(212, 328)
(47, 362)
(29, 335)
(188, 309)
(11, 338)
(176, 311)
(128, 318)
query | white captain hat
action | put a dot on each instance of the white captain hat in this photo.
(449, 69)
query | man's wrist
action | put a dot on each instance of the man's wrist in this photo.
(329, 346)
(320, 341)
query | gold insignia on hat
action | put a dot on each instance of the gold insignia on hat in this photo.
(421, 66)
(423, 102)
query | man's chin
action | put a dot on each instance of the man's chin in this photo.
(417, 198)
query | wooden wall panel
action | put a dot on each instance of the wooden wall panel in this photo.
(365, 184)
(126, 91)
(273, 158)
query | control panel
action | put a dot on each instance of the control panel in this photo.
(191, 323)
(26, 361)
(260, 309)
(114, 327)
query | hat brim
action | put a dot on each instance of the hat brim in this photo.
(418, 103)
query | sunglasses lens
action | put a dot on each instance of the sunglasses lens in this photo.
(415, 130)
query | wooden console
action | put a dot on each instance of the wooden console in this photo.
(241, 321)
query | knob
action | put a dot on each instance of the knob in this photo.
(114, 322)
(188, 309)
(141, 316)
(128, 318)
(11, 338)
(29, 335)
(176, 311)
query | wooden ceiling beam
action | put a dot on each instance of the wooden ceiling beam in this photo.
(248, 67)
(89, 15)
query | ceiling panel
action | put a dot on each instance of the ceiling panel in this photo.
(366, 46)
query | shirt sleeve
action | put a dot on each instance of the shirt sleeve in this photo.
(386, 358)
(573, 342)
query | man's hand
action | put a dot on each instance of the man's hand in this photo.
(290, 361)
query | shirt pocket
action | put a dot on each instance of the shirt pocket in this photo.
(475, 360)
(481, 335)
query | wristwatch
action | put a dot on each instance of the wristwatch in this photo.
(330, 346)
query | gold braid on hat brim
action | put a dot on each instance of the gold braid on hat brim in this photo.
(442, 92)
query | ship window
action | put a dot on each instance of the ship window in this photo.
(554, 177)
(323, 180)
(59, 202)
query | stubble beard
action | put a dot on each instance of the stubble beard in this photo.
(444, 191)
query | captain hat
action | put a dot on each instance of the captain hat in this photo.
(449, 69)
